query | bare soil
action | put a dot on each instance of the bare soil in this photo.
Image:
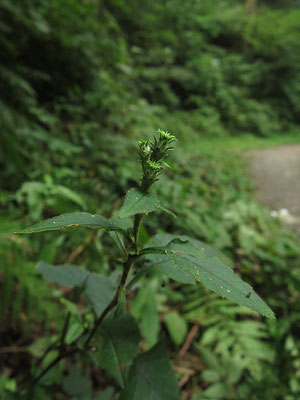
(276, 172)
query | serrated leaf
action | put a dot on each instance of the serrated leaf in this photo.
(162, 239)
(151, 377)
(137, 202)
(211, 272)
(71, 220)
(163, 265)
(117, 343)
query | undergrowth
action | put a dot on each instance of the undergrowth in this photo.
(206, 188)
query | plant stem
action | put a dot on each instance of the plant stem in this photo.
(100, 319)
(136, 230)
(126, 268)
(60, 357)
(64, 331)
(135, 279)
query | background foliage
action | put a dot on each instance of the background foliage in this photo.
(79, 81)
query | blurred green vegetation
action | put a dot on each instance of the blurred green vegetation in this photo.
(79, 82)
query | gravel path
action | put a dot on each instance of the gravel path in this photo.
(276, 172)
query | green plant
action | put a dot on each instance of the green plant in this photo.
(107, 333)
(36, 195)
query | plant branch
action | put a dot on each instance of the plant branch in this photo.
(114, 302)
(64, 331)
(63, 354)
(151, 154)
(101, 318)
(60, 357)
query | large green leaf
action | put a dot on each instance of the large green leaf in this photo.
(144, 308)
(137, 202)
(151, 378)
(72, 220)
(193, 261)
(65, 275)
(99, 289)
(117, 343)
(78, 385)
(106, 394)
(164, 265)
(162, 239)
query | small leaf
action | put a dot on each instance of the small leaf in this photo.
(120, 242)
(137, 202)
(74, 332)
(167, 211)
(71, 220)
(117, 344)
(217, 391)
(177, 327)
(211, 272)
(211, 375)
(38, 347)
(151, 378)
(71, 308)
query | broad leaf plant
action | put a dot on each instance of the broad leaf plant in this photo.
(110, 334)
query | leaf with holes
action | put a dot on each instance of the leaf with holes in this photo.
(72, 220)
(151, 377)
(195, 263)
(117, 343)
(137, 202)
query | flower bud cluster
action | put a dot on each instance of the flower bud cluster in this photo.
(152, 154)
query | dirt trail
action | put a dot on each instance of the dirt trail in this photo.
(276, 172)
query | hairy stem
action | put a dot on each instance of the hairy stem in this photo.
(136, 230)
